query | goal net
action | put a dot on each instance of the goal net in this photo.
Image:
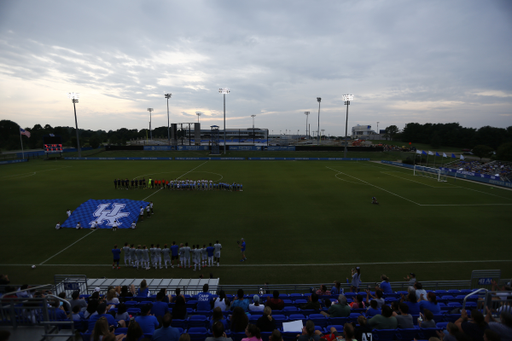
(429, 172)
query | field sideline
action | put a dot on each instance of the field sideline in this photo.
(304, 222)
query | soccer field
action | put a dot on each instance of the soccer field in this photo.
(304, 221)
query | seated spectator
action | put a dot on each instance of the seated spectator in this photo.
(474, 327)
(275, 303)
(101, 331)
(252, 332)
(126, 294)
(147, 322)
(384, 285)
(276, 336)
(491, 335)
(357, 303)
(122, 313)
(56, 312)
(256, 306)
(222, 302)
(363, 329)
(76, 314)
(204, 299)
(404, 319)
(454, 334)
(412, 279)
(240, 301)
(266, 322)
(377, 297)
(503, 328)
(386, 320)
(166, 333)
(185, 337)
(166, 297)
(219, 333)
(412, 302)
(373, 309)
(217, 316)
(65, 305)
(421, 294)
(160, 308)
(143, 290)
(77, 301)
(178, 293)
(431, 304)
(101, 311)
(312, 303)
(339, 309)
(308, 333)
(239, 320)
(179, 311)
(91, 307)
(112, 297)
(336, 289)
(348, 332)
(134, 332)
(428, 320)
(323, 291)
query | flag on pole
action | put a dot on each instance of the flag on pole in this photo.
(424, 152)
(461, 157)
(444, 155)
(418, 151)
(437, 154)
(430, 153)
(453, 156)
(24, 132)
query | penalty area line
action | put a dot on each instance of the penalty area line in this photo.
(87, 235)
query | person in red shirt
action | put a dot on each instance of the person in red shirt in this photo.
(275, 303)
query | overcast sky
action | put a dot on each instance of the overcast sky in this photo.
(404, 61)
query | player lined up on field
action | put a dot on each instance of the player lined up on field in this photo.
(201, 185)
(184, 256)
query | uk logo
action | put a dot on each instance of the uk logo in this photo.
(113, 215)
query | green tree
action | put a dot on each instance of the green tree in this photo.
(392, 131)
(504, 152)
(482, 151)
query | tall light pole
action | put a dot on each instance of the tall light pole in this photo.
(347, 98)
(224, 92)
(318, 132)
(74, 98)
(168, 95)
(307, 115)
(377, 128)
(198, 113)
(253, 116)
(150, 133)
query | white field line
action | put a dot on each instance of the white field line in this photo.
(418, 182)
(42, 263)
(296, 265)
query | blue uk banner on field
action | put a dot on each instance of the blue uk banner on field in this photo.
(106, 213)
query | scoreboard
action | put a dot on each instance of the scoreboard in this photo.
(52, 144)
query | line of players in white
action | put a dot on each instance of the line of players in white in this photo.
(184, 255)
(201, 185)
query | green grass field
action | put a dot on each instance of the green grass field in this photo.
(304, 222)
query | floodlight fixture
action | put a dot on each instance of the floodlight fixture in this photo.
(224, 92)
(319, 99)
(167, 96)
(150, 133)
(74, 99)
(253, 116)
(198, 113)
(307, 115)
(347, 98)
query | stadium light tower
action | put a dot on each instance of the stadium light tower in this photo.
(150, 133)
(377, 127)
(253, 116)
(74, 98)
(319, 99)
(347, 98)
(224, 92)
(307, 115)
(168, 95)
(198, 113)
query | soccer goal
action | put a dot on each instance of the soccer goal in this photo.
(429, 172)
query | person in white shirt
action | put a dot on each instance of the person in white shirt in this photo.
(256, 306)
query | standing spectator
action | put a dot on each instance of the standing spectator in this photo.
(252, 332)
(356, 279)
(275, 303)
(384, 321)
(384, 285)
(179, 311)
(240, 301)
(503, 328)
(239, 320)
(475, 327)
(148, 323)
(404, 319)
(431, 304)
(219, 334)
(256, 306)
(222, 302)
(412, 279)
(339, 309)
(308, 333)
(266, 322)
(166, 333)
(204, 299)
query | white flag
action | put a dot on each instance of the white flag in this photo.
(444, 155)
(430, 153)
(418, 151)
(461, 157)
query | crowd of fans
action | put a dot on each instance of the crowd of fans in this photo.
(176, 184)
(106, 316)
(500, 168)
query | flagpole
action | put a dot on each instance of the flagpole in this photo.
(21, 141)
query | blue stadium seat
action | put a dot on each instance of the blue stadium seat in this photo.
(445, 298)
(454, 292)
(453, 305)
(198, 321)
(279, 318)
(427, 333)
(121, 331)
(318, 319)
(470, 305)
(238, 336)
(407, 334)
(384, 334)
(296, 317)
(265, 336)
(198, 333)
(289, 308)
(178, 323)
(441, 325)
(295, 296)
(440, 292)
(133, 311)
(339, 328)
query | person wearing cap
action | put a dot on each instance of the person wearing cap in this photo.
(242, 250)
(148, 323)
(256, 306)
(338, 309)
